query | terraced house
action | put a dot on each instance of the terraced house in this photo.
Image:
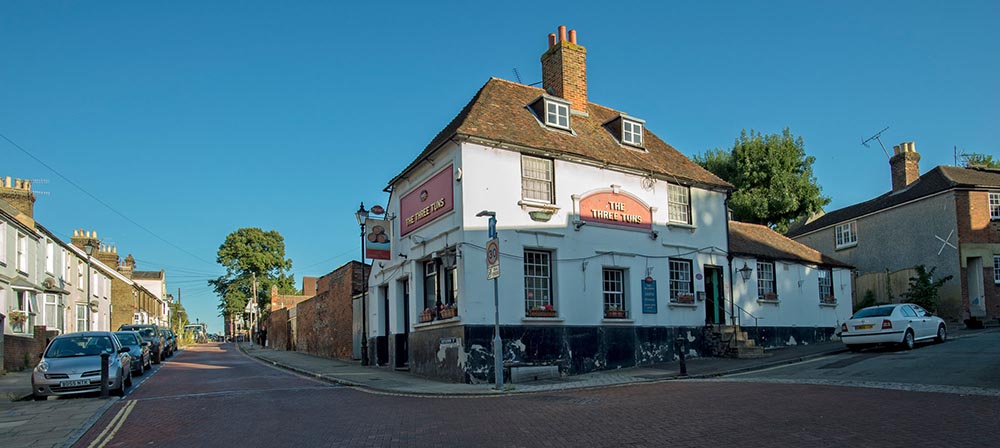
(611, 242)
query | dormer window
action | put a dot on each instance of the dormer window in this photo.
(556, 114)
(631, 132)
(551, 111)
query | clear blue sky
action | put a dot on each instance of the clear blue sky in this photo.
(196, 118)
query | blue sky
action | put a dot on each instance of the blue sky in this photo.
(194, 118)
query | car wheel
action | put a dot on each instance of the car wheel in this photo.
(142, 368)
(942, 334)
(128, 379)
(156, 358)
(120, 391)
(908, 340)
(37, 397)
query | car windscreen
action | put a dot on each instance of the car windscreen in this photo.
(72, 346)
(876, 311)
(127, 338)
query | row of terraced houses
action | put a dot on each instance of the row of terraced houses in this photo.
(49, 286)
(611, 246)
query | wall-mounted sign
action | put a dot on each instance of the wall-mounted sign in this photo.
(618, 209)
(378, 239)
(649, 296)
(427, 202)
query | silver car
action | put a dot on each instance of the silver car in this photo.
(72, 365)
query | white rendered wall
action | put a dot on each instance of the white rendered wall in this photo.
(797, 305)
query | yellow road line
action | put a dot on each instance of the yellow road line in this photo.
(115, 423)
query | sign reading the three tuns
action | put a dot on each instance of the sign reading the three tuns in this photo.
(493, 259)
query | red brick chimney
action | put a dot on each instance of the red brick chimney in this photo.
(905, 165)
(564, 69)
(18, 194)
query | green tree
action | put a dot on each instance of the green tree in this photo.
(246, 253)
(924, 289)
(978, 160)
(179, 317)
(773, 178)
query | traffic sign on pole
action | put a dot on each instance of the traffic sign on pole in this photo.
(493, 259)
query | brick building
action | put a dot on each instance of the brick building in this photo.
(325, 324)
(948, 218)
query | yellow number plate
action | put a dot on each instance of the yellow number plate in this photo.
(864, 327)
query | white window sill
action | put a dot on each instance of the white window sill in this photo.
(828, 305)
(618, 321)
(775, 301)
(541, 320)
(846, 246)
(681, 225)
(538, 204)
(682, 305)
(439, 323)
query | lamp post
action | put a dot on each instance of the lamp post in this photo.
(497, 342)
(362, 215)
(88, 247)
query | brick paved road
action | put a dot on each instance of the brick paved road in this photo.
(212, 396)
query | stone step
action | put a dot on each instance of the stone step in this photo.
(747, 352)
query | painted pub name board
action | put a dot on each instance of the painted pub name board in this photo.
(427, 202)
(618, 209)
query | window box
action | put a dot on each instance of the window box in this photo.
(614, 314)
(18, 317)
(541, 313)
(771, 297)
(685, 298)
(830, 300)
(448, 313)
(540, 215)
(427, 315)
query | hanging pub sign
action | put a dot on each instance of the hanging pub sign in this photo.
(427, 202)
(378, 239)
(617, 209)
(649, 296)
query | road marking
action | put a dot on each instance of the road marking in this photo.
(909, 387)
(752, 372)
(116, 423)
(223, 393)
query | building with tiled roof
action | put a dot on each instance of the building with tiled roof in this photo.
(611, 243)
(947, 218)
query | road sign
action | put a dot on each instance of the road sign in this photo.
(493, 259)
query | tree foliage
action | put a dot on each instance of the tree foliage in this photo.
(977, 160)
(924, 289)
(773, 178)
(179, 317)
(247, 252)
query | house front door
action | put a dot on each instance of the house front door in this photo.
(715, 299)
(974, 283)
(403, 338)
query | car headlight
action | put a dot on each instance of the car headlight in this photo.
(42, 367)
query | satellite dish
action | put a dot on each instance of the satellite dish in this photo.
(93, 306)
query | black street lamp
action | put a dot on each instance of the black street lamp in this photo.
(745, 271)
(89, 248)
(362, 215)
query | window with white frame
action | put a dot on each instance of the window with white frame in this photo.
(631, 132)
(22, 252)
(26, 308)
(680, 279)
(430, 284)
(825, 285)
(537, 279)
(536, 179)
(556, 114)
(79, 275)
(679, 203)
(846, 234)
(81, 317)
(614, 293)
(51, 310)
(996, 269)
(50, 257)
(994, 205)
(765, 281)
(3, 242)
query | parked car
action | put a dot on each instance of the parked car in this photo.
(168, 348)
(138, 350)
(172, 341)
(151, 333)
(71, 364)
(900, 323)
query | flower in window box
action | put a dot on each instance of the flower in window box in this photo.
(448, 312)
(427, 315)
(685, 298)
(770, 296)
(614, 312)
(18, 317)
(546, 310)
(829, 299)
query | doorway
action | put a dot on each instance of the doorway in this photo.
(403, 337)
(974, 283)
(715, 299)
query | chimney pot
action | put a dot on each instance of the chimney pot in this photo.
(572, 36)
(552, 40)
(562, 33)
(564, 70)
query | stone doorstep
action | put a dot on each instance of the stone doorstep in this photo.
(521, 374)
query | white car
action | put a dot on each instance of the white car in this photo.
(899, 323)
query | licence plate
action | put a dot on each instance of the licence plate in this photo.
(73, 383)
(864, 327)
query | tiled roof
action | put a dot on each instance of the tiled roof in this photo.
(147, 275)
(760, 241)
(939, 179)
(499, 113)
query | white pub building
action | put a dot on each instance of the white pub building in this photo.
(612, 243)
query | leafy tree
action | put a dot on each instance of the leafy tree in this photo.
(179, 317)
(924, 289)
(773, 178)
(979, 161)
(867, 301)
(245, 253)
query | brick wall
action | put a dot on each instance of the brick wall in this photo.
(122, 303)
(20, 352)
(564, 70)
(278, 335)
(324, 322)
(974, 224)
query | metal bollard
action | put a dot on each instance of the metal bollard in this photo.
(679, 345)
(104, 374)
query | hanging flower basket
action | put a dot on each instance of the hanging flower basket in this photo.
(18, 317)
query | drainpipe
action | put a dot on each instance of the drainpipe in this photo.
(729, 259)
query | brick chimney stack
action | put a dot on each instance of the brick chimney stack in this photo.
(17, 192)
(905, 165)
(564, 69)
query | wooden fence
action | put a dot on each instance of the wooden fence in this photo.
(888, 287)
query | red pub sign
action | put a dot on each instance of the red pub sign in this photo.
(427, 202)
(617, 209)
